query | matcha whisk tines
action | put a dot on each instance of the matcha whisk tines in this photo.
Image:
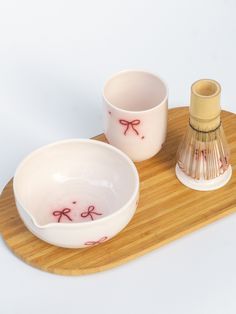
(203, 161)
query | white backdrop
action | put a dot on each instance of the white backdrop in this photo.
(54, 59)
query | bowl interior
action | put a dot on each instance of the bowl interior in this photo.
(74, 181)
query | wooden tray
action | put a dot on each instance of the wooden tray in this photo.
(167, 210)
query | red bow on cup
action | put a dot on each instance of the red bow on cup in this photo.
(61, 213)
(129, 124)
(90, 212)
(90, 243)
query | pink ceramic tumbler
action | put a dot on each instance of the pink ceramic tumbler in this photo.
(136, 107)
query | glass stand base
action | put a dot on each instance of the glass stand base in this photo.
(203, 185)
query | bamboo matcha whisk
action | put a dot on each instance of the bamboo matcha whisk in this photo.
(203, 154)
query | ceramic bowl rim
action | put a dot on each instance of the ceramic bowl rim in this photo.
(86, 223)
(162, 102)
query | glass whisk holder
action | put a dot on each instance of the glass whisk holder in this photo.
(203, 157)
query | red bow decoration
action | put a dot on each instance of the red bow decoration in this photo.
(202, 152)
(224, 162)
(61, 213)
(131, 124)
(91, 243)
(90, 212)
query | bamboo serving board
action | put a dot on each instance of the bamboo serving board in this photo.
(166, 211)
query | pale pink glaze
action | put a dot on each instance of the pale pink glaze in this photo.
(136, 113)
(76, 193)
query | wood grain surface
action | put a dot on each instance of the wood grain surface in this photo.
(166, 211)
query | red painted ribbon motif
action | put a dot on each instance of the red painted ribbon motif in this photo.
(61, 213)
(91, 243)
(224, 161)
(202, 152)
(129, 124)
(90, 212)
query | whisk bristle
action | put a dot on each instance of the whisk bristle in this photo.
(203, 155)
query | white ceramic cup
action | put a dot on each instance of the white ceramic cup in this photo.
(136, 107)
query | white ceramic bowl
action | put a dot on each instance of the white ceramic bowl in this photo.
(76, 193)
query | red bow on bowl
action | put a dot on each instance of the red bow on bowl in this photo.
(61, 213)
(90, 243)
